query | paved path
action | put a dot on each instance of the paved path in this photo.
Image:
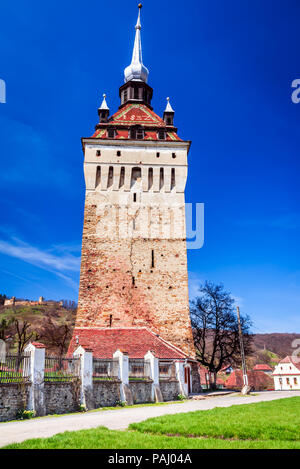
(119, 419)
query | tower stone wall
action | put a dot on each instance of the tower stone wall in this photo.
(134, 262)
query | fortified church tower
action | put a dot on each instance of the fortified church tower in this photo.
(134, 261)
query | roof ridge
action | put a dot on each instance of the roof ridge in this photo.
(168, 343)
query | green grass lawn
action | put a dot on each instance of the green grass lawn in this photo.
(272, 425)
(275, 420)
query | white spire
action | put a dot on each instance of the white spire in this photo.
(169, 107)
(104, 106)
(137, 70)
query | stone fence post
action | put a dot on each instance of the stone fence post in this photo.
(36, 399)
(123, 375)
(154, 375)
(86, 376)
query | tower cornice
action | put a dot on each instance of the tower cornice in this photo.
(180, 144)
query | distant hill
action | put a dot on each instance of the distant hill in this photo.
(51, 324)
(277, 343)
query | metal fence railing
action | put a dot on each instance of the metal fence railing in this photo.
(58, 369)
(139, 369)
(104, 369)
(15, 368)
(167, 370)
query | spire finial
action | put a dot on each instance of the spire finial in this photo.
(104, 103)
(169, 107)
(138, 24)
(137, 70)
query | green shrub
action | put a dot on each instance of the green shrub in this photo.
(25, 414)
(119, 403)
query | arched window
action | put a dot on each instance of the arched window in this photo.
(122, 177)
(110, 176)
(150, 178)
(98, 176)
(161, 178)
(173, 181)
(136, 175)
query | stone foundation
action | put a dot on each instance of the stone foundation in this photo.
(106, 393)
(169, 390)
(61, 398)
(141, 391)
(13, 397)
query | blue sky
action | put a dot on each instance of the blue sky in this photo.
(228, 68)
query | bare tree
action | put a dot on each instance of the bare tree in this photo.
(215, 329)
(57, 336)
(5, 328)
(24, 334)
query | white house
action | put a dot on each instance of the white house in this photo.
(287, 374)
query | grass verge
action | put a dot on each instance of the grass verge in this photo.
(264, 425)
(275, 420)
(102, 438)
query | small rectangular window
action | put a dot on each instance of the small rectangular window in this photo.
(152, 258)
(118, 153)
(140, 134)
(158, 154)
(133, 280)
(98, 153)
(173, 155)
(134, 197)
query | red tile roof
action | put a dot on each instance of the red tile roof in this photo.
(38, 345)
(294, 360)
(257, 379)
(135, 341)
(261, 367)
(136, 114)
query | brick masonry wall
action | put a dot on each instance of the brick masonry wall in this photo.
(61, 398)
(169, 390)
(106, 393)
(117, 279)
(13, 397)
(141, 391)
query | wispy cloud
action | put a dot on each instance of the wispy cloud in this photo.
(195, 280)
(58, 261)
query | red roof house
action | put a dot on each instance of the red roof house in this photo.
(258, 380)
(263, 367)
(104, 342)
